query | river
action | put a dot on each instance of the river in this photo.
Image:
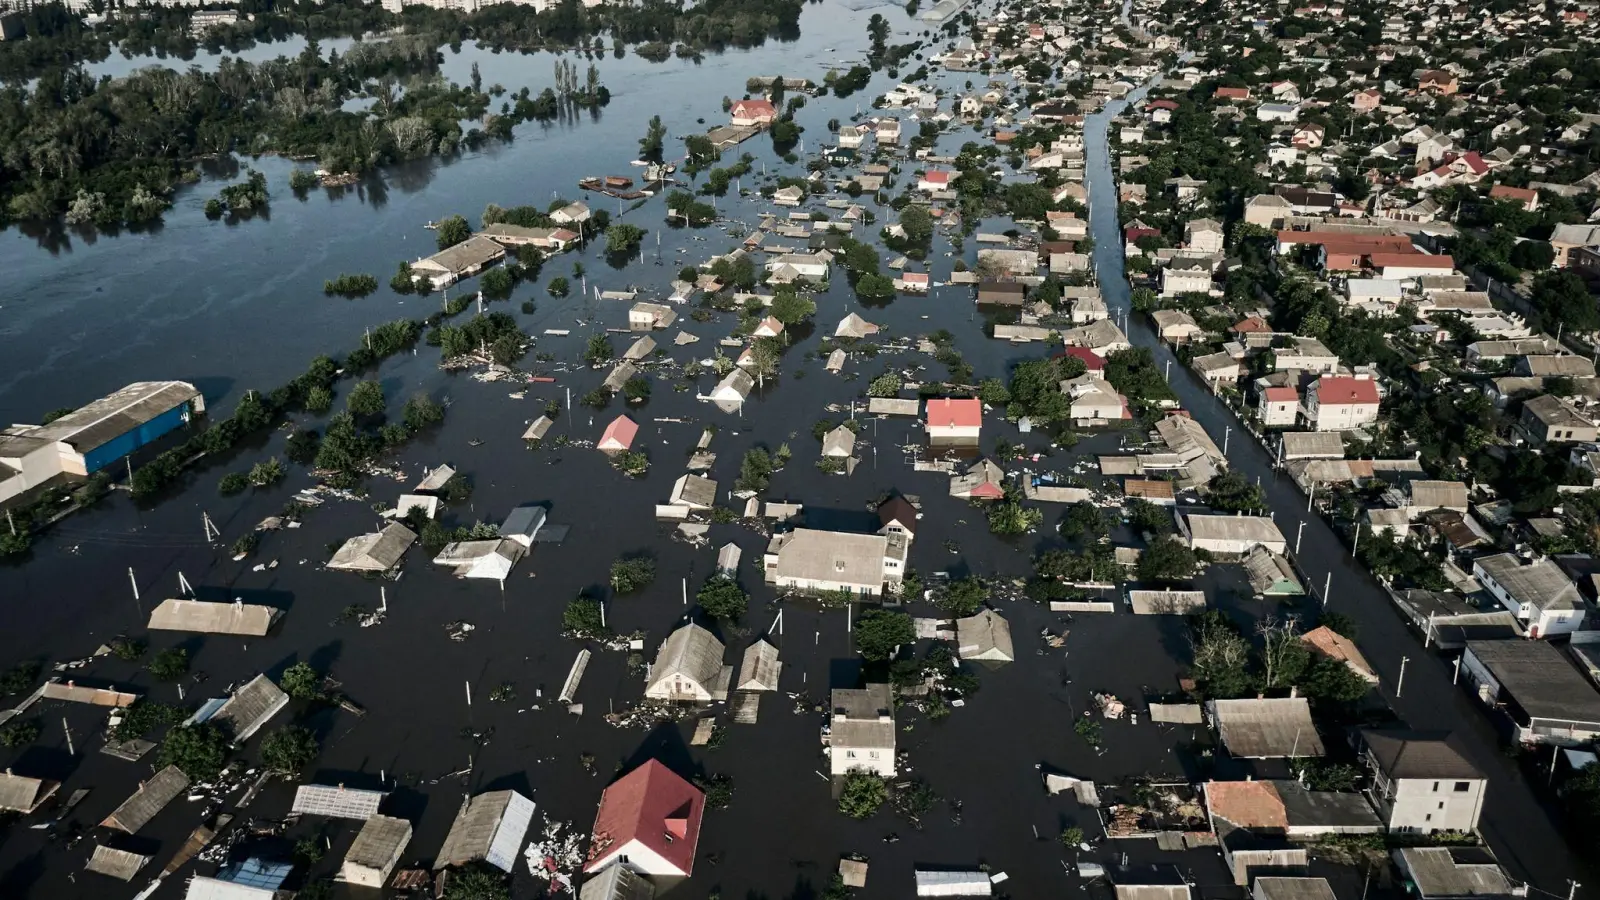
(1515, 823)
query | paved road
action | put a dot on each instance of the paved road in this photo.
(1516, 825)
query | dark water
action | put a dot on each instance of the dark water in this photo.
(234, 307)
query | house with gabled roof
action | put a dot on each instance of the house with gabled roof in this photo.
(649, 821)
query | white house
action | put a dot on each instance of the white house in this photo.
(935, 180)
(810, 560)
(1341, 403)
(689, 669)
(954, 419)
(1539, 593)
(861, 733)
(1278, 407)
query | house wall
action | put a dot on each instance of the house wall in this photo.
(819, 586)
(638, 857)
(954, 431)
(1425, 805)
(1173, 283)
(96, 458)
(678, 689)
(40, 466)
(1279, 412)
(1339, 416)
(879, 761)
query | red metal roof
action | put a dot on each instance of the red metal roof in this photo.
(1346, 391)
(1250, 325)
(1413, 260)
(1091, 359)
(1281, 394)
(951, 413)
(1507, 192)
(936, 176)
(619, 434)
(654, 806)
(748, 108)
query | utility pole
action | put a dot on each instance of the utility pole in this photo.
(1456, 678)
(1298, 535)
(1326, 584)
(1226, 433)
(1356, 542)
(71, 752)
(1400, 685)
(1572, 891)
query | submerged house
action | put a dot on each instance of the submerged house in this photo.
(649, 821)
(689, 669)
(861, 732)
(243, 714)
(985, 637)
(808, 559)
(491, 558)
(376, 852)
(199, 616)
(376, 552)
(488, 828)
(151, 798)
(24, 795)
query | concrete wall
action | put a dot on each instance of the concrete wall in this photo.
(1428, 805)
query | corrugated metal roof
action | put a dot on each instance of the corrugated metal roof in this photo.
(18, 792)
(692, 653)
(382, 839)
(377, 552)
(985, 636)
(337, 801)
(116, 414)
(118, 864)
(760, 668)
(476, 826)
(250, 707)
(1266, 728)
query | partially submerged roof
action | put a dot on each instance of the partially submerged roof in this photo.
(1283, 888)
(985, 636)
(653, 806)
(336, 801)
(205, 617)
(617, 882)
(376, 552)
(1324, 641)
(382, 838)
(250, 707)
(690, 652)
(23, 794)
(435, 479)
(760, 668)
(489, 827)
(149, 799)
(116, 414)
(119, 864)
(1266, 727)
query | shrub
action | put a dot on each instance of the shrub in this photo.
(170, 664)
(632, 573)
(862, 795)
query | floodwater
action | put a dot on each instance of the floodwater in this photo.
(233, 307)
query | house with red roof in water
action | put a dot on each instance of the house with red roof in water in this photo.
(934, 180)
(753, 112)
(950, 419)
(1340, 403)
(649, 821)
(618, 436)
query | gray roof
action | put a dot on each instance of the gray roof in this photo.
(619, 376)
(382, 839)
(116, 863)
(1438, 494)
(475, 827)
(840, 441)
(377, 552)
(692, 652)
(617, 882)
(830, 556)
(250, 707)
(694, 490)
(641, 348)
(469, 254)
(985, 636)
(18, 792)
(1403, 753)
(204, 617)
(1252, 529)
(760, 667)
(523, 522)
(1266, 728)
(151, 797)
(1313, 445)
(1540, 680)
(116, 414)
(1270, 887)
(436, 479)
(1336, 809)
(336, 801)
(1454, 872)
(1555, 412)
(862, 718)
(1541, 583)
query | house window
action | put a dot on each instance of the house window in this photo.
(1441, 806)
(1463, 786)
(1428, 817)
(1436, 787)
(891, 565)
(849, 754)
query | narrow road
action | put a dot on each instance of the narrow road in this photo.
(1517, 826)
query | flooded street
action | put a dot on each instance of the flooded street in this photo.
(233, 307)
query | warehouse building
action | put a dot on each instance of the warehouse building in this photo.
(89, 439)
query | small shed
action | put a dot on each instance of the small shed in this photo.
(836, 361)
(522, 525)
(151, 797)
(435, 480)
(490, 828)
(853, 872)
(336, 801)
(894, 406)
(539, 428)
(693, 491)
(119, 864)
(641, 348)
(376, 851)
(985, 637)
(407, 502)
(853, 326)
(1166, 602)
(759, 671)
